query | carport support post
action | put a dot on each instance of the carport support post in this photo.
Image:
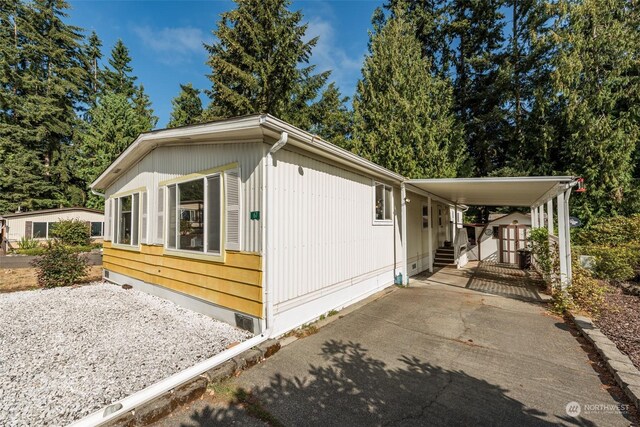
(562, 241)
(567, 231)
(533, 217)
(430, 235)
(541, 215)
(403, 197)
(550, 216)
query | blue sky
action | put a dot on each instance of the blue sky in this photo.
(165, 39)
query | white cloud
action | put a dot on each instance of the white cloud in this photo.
(329, 55)
(177, 44)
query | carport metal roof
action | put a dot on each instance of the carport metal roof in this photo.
(499, 191)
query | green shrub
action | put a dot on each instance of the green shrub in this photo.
(71, 232)
(31, 251)
(27, 243)
(585, 293)
(614, 262)
(539, 241)
(617, 230)
(59, 266)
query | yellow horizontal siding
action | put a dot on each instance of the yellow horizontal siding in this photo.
(235, 284)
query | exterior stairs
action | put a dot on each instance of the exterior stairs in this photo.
(444, 256)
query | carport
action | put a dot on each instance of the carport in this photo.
(546, 196)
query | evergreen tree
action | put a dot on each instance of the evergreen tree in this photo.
(260, 62)
(403, 116)
(114, 124)
(142, 107)
(330, 117)
(477, 28)
(187, 107)
(597, 82)
(118, 78)
(431, 21)
(43, 78)
(94, 54)
(531, 137)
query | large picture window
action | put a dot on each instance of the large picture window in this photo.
(127, 214)
(383, 203)
(194, 216)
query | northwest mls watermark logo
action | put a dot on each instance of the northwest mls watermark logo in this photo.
(574, 409)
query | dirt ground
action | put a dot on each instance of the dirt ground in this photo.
(620, 321)
(22, 279)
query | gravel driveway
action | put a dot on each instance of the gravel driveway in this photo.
(67, 352)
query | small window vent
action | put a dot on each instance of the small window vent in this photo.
(244, 322)
(106, 274)
(414, 266)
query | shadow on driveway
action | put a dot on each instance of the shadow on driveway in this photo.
(356, 389)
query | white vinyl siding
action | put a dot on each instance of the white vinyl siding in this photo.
(324, 238)
(168, 163)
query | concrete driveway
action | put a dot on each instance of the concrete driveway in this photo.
(452, 349)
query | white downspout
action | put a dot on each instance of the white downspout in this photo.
(403, 197)
(94, 192)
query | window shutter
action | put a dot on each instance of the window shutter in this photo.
(232, 200)
(28, 229)
(160, 210)
(107, 217)
(143, 237)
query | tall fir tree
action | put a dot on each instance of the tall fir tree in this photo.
(93, 53)
(260, 63)
(477, 28)
(530, 140)
(597, 82)
(114, 124)
(331, 118)
(187, 107)
(403, 117)
(43, 78)
(117, 77)
(142, 107)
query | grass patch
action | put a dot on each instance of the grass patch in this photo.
(224, 390)
(24, 279)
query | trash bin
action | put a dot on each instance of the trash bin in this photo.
(524, 259)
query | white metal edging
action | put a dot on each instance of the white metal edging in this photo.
(163, 386)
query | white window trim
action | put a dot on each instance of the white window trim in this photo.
(115, 208)
(205, 254)
(373, 209)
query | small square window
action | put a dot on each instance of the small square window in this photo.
(39, 230)
(96, 229)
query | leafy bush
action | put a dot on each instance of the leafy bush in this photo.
(71, 232)
(539, 240)
(614, 262)
(60, 266)
(585, 293)
(27, 243)
(617, 230)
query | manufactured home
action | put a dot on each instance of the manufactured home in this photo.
(38, 224)
(265, 226)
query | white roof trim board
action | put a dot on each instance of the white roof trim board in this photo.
(513, 191)
(518, 191)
